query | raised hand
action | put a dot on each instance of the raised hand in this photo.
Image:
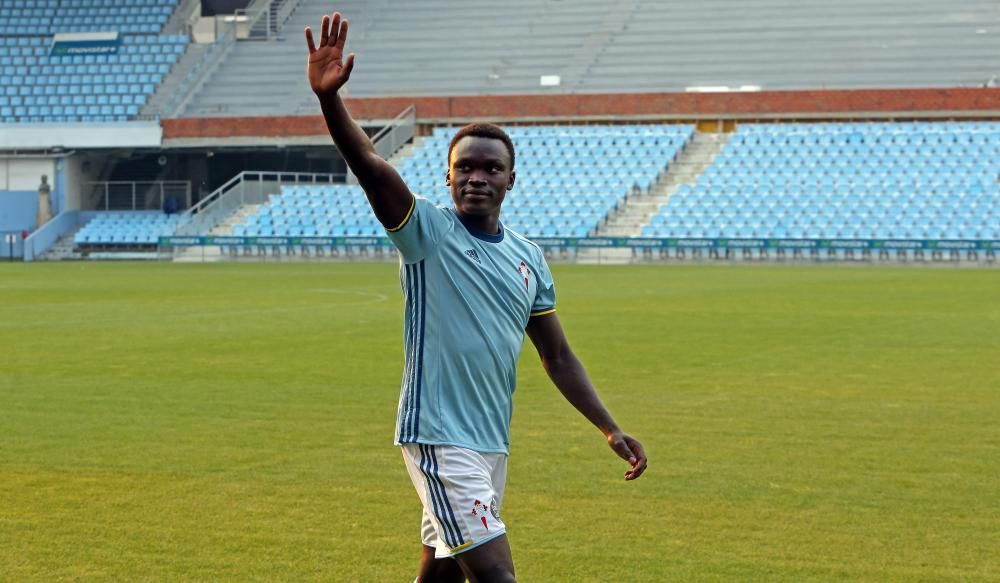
(327, 69)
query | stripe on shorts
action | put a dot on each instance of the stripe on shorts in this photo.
(439, 497)
(444, 496)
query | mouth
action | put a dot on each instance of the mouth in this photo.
(476, 194)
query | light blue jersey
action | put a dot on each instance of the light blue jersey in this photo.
(468, 299)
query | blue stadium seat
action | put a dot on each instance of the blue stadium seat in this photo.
(847, 190)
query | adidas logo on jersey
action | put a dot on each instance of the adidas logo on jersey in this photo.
(472, 253)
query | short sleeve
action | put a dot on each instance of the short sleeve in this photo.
(421, 230)
(545, 292)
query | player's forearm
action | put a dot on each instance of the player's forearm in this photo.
(389, 197)
(569, 376)
(354, 144)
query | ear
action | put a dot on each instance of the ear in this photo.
(447, 178)
(510, 185)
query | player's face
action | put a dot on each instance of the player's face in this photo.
(479, 174)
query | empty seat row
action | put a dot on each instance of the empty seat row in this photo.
(129, 228)
(64, 100)
(84, 88)
(931, 187)
(148, 28)
(582, 199)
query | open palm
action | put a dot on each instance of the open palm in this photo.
(327, 69)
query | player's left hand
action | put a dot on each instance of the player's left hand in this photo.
(629, 449)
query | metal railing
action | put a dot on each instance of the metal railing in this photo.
(112, 195)
(226, 37)
(247, 187)
(183, 17)
(261, 20)
(397, 132)
(198, 74)
(285, 10)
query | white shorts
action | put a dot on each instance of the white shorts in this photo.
(461, 491)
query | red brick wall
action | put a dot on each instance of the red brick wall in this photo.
(767, 104)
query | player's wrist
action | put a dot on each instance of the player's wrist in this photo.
(611, 431)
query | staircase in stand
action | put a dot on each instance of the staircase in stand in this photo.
(223, 229)
(638, 210)
(64, 249)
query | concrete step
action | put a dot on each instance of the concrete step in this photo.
(223, 229)
(697, 155)
(64, 248)
(614, 256)
(621, 230)
(239, 217)
(170, 84)
(406, 151)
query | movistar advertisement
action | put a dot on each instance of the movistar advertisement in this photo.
(85, 43)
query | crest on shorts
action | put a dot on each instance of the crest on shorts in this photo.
(480, 510)
(494, 509)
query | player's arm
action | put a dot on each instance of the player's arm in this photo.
(569, 376)
(328, 72)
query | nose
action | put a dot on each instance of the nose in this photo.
(476, 178)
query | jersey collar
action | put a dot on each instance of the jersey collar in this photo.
(489, 238)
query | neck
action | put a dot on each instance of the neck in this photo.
(486, 224)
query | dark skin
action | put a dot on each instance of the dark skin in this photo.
(479, 175)
(480, 172)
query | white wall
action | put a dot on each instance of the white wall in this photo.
(203, 31)
(25, 173)
(72, 168)
(81, 168)
(135, 134)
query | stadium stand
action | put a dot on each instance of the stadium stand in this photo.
(476, 47)
(794, 45)
(128, 229)
(47, 17)
(845, 181)
(36, 86)
(568, 179)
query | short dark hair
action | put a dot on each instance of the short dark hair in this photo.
(483, 130)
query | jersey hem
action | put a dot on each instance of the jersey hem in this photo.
(475, 448)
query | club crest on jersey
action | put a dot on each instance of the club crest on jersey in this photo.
(525, 273)
(472, 253)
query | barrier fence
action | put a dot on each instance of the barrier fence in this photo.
(610, 242)
(597, 249)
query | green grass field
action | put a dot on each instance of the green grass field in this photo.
(234, 423)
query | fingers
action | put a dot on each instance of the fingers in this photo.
(324, 35)
(342, 34)
(639, 465)
(309, 40)
(348, 66)
(334, 29)
(621, 448)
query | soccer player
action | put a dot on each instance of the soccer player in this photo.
(472, 289)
